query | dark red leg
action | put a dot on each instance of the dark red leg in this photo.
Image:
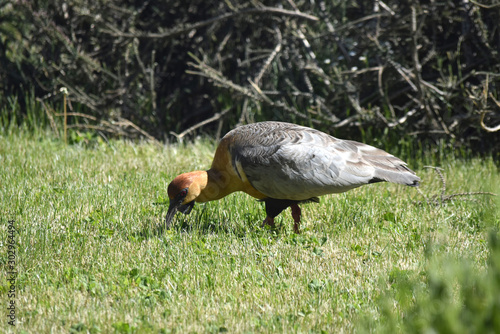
(268, 221)
(296, 213)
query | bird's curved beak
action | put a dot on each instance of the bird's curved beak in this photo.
(175, 206)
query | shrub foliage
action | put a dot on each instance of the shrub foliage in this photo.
(428, 68)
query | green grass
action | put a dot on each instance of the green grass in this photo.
(90, 260)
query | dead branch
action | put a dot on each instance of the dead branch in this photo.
(441, 177)
(215, 117)
(126, 122)
(95, 127)
(483, 5)
(269, 60)
(487, 128)
(387, 8)
(442, 197)
(311, 53)
(382, 93)
(354, 23)
(417, 68)
(401, 70)
(172, 33)
(77, 114)
(218, 77)
(115, 127)
(480, 100)
(255, 94)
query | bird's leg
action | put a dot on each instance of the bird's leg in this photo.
(274, 208)
(268, 221)
(296, 213)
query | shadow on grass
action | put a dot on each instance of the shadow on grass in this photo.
(155, 228)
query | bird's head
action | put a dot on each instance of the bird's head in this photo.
(183, 191)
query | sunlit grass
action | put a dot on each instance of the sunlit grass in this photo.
(90, 260)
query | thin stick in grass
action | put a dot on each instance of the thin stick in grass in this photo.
(64, 90)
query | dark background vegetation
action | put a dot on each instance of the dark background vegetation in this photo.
(357, 69)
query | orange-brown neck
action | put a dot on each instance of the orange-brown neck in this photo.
(211, 185)
(219, 181)
(219, 184)
(204, 186)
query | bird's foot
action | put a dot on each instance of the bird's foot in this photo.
(296, 214)
(269, 222)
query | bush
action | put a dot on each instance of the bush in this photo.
(414, 67)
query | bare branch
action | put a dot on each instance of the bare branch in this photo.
(171, 33)
(77, 114)
(439, 200)
(126, 122)
(269, 60)
(215, 117)
(441, 177)
(484, 105)
(487, 128)
(485, 6)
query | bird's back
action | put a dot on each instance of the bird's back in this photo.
(288, 161)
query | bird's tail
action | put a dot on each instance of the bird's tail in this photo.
(401, 175)
(392, 169)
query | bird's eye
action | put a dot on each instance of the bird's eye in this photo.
(183, 193)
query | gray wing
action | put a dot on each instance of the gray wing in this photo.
(287, 161)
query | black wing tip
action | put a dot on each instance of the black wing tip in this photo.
(412, 183)
(313, 200)
(415, 183)
(375, 180)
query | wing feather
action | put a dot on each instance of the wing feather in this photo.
(287, 161)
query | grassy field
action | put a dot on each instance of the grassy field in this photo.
(91, 258)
